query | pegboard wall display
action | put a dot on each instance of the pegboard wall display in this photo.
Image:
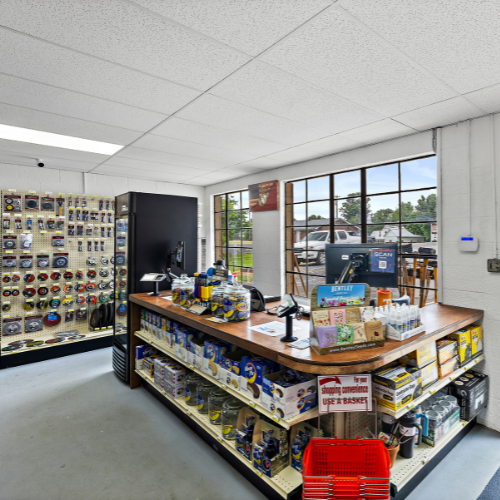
(57, 269)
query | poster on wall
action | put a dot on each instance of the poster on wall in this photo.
(264, 196)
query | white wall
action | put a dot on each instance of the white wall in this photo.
(268, 234)
(62, 181)
(464, 277)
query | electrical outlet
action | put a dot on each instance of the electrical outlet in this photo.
(494, 265)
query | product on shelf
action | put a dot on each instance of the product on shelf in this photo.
(421, 356)
(230, 410)
(203, 389)
(230, 368)
(471, 391)
(245, 426)
(192, 380)
(476, 333)
(216, 399)
(236, 303)
(463, 339)
(446, 349)
(394, 386)
(212, 356)
(269, 448)
(442, 415)
(300, 435)
(288, 393)
(253, 370)
(341, 321)
(449, 367)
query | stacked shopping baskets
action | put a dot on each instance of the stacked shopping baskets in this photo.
(346, 469)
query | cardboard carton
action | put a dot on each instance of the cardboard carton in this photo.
(463, 339)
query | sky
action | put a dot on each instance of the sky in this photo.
(415, 174)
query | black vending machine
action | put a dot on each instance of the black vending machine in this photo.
(147, 228)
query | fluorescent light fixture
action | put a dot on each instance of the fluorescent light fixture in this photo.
(57, 140)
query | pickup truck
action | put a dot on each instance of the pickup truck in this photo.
(312, 246)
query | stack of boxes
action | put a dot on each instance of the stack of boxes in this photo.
(471, 391)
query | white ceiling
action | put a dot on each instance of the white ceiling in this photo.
(205, 91)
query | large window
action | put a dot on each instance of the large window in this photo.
(382, 204)
(233, 234)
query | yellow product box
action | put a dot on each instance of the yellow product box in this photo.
(463, 339)
(446, 349)
(422, 356)
(449, 367)
(476, 338)
(427, 375)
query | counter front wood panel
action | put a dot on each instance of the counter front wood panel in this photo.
(440, 320)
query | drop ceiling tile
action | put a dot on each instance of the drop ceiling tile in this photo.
(457, 41)
(217, 112)
(57, 124)
(331, 145)
(184, 148)
(199, 133)
(42, 97)
(36, 151)
(154, 166)
(139, 173)
(17, 158)
(487, 99)
(265, 87)
(167, 159)
(294, 155)
(220, 177)
(336, 53)
(240, 169)
(377, 132)
(264, 163)
(439, 114)
(26, 57)
(249, 25)
(199, 181)
(124, 33)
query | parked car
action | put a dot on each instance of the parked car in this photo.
(369, 239)
(312, 246)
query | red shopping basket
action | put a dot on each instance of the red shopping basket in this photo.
(345, 469)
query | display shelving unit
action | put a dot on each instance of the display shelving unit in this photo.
(97, 241)
(286, 423)
(440, 320)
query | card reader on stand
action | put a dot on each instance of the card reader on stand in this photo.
(288, 310)
(154, 278)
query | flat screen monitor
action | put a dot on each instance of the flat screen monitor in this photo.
(374, 263)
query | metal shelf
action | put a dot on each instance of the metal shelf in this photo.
(428, 391)
(405, 468)
(283, 483)
(88, 336)
(286, 423)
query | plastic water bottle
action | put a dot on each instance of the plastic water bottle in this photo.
(399, 322)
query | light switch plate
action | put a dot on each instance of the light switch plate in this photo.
(494, 265)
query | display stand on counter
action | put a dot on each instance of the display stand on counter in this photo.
(440, 321)
(57, 271)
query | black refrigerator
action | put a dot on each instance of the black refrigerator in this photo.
(147, 227)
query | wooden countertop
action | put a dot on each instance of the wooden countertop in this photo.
(440, 320)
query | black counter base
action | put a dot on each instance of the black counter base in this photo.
(55, 351)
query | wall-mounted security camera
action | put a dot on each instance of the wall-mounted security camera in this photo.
(40, 163)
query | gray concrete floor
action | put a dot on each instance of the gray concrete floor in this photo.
(71, 430)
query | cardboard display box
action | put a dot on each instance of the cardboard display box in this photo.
(395, 387)
(463, 339)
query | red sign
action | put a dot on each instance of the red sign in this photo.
(264, 196)
(344, 393)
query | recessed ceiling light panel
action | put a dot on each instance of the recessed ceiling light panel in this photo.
(20, 134)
